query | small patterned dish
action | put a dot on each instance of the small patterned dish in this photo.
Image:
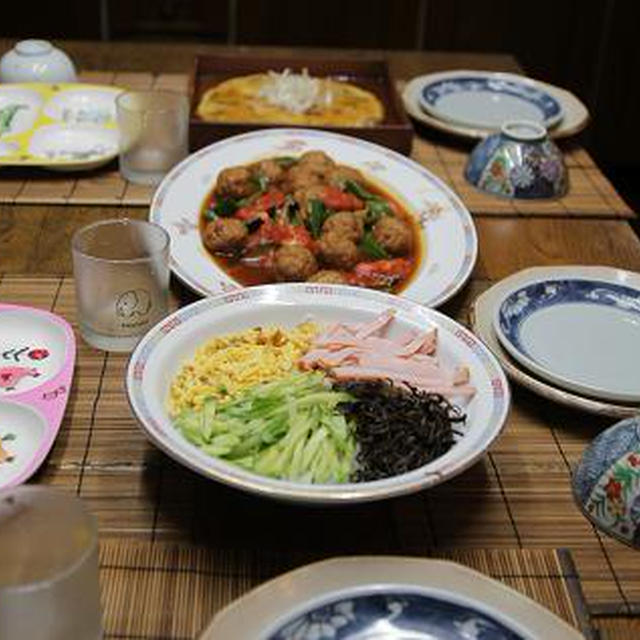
(519, 162)
(482, 321)
(487, 100)
(386, 597)
(68, 127)
(575, 119)
(37, 357)
(581, 334)
(606, 482)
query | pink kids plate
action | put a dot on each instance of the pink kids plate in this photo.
(37, 356)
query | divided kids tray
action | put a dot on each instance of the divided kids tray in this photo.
(59, 126)
(37, 357)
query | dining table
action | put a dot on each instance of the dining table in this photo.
(176, 547)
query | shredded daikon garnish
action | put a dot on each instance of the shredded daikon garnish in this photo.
(295, 92)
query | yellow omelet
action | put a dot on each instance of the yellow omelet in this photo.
(242, 99)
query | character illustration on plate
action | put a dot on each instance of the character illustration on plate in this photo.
(7, 114)
(19, 366)
(5, 455)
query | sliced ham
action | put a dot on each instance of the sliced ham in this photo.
(359, 351)
(424, 343)
(375, 325)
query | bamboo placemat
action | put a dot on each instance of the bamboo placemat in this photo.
(590, 193)
(516, 496)
(166, 590)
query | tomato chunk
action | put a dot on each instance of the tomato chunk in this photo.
(381, 272)
(263, 203)
(278, 233)
(337, 200)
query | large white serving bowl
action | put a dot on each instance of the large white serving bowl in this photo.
(170, 343)
(448, 234)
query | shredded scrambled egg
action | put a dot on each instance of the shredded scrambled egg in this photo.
(227, 364)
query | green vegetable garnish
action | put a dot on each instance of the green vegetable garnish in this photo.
(372, 247)
(317, 215)
(286, 161)
(375, 205)
(288, 429)
(358, 190)
(225, 207)
(260, 180)
(291, 211)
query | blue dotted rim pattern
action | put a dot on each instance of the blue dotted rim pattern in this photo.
(548, 105)
(524, 302)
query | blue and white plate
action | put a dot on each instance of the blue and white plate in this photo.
(380, 597)
(487, 100)
(581, 334)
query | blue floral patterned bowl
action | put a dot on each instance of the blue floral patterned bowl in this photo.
(519, 162)
(606, 482)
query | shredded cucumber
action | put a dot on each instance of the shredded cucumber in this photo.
(288, 429)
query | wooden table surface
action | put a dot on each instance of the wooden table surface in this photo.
(35, 241)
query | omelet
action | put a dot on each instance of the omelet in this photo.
(243, 99)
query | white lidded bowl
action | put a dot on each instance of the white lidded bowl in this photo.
(36, 61)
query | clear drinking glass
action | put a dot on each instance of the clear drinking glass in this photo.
(49, 588)
(154, 133)
(121, 270)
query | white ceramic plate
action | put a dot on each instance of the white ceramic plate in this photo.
(575, 118)
(82, 146)
(482, 317)
(37, 356)
(394, 598)
(84, 105)
(448, 232)
(161, 352)
(582, 334)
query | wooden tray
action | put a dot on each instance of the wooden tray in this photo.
(394, 131)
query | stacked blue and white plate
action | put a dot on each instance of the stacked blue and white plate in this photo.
(474, 104)
(571, 334)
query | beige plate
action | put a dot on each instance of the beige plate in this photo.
(483, 311)
(576, 115)
(262, 611)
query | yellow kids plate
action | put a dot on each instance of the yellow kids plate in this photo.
(63, 126)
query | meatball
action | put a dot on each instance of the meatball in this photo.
(235, 182)
(393, 234)
(225, 235)
(340, 174)
(302, 176)
(270, 169)
(294, 262)
(328, 276)
(338, 251)
(345, 224)
(318, 159)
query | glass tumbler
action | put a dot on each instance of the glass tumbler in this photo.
(121, 271)
(154, 133)
(49, 588)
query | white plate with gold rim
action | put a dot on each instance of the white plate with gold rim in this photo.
(575, 113)
(446, 229)
(482, 319)
(395, 598)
